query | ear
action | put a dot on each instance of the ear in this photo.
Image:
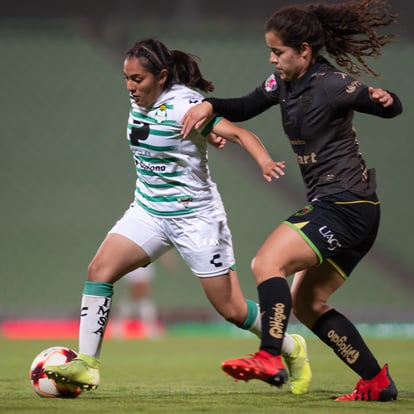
(162, 76)
(306, 51)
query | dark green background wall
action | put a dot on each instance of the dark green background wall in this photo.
(66, 173)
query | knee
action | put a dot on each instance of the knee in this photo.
(97, 271)
(256, 267)
(93, 270)
(301, 311)
(253, 265)
(297, 310)
(308, 312)
(265, 267)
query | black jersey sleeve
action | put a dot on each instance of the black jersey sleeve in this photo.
(243, 108)
(247, 106)
(363, 103)
(346, 92)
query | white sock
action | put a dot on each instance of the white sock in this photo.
(93, 321)
(288, 344)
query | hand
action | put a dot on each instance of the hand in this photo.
(196, 116)
(380, 96)
(216, 141)
(273, 169)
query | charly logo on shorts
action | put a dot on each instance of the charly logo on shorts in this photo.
(305, 210)
(271, 83)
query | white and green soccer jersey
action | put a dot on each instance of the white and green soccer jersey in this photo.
(173, 178)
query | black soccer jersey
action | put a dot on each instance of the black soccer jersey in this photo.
(317, 112)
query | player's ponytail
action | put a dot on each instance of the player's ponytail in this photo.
(187, 71)
(350, 31)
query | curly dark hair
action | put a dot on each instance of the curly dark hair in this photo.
(346, 30)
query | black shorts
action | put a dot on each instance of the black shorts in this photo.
(340, 228)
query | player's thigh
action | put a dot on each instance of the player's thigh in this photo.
(145, 230)
(116, 256)
(283, 253)
(134, 241)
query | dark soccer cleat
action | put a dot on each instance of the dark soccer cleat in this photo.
(379, 388)
(262, 366)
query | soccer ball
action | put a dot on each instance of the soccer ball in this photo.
(45, 387)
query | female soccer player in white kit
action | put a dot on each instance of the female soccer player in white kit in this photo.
(176, 204)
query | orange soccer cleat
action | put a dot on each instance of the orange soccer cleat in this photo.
(379, 388)
(261, 365)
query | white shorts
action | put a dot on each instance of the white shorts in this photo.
(203, 241)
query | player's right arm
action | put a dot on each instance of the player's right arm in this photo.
(234, 109)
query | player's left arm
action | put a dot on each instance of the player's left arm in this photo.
(376, 101)
(388, 102)
(252, 144)
(345, 92)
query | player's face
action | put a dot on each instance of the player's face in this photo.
(288, 62)
(144, 86)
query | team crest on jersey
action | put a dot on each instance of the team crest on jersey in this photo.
(306, 102)
(161, 114)
(307, 209)
(271, 83)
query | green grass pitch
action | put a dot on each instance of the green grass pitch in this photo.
(180, 374)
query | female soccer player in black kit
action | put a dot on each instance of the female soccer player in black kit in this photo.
(323, 242)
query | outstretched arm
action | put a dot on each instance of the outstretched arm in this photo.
(378, 101)
(252, 144)
(234, 109)
(381, 96)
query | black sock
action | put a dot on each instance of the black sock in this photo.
(340, 334)
(275, 303)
